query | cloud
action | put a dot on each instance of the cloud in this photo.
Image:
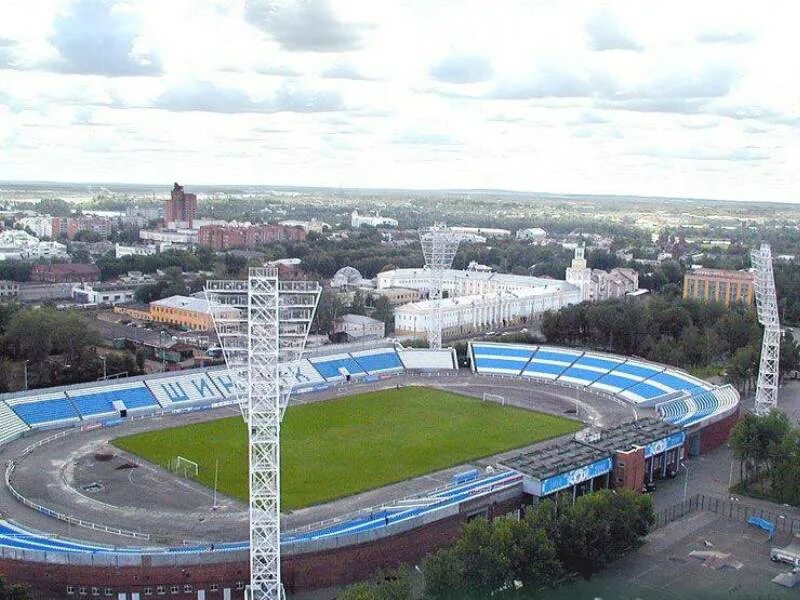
(414, 137)
(462, 69)
(550, 81)
(208, 97)
(726, 37)
(745, 154)
(98, 38)
(8, 59)
(344, 71)
(606, 33)
(304, 25)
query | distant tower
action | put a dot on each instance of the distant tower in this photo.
(579, 274)
(767, 306)
(439, 246)
(181, 208)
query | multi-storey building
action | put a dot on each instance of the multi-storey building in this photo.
(357, 220)
(41, 226)
(16, 244)
(719, 285)
(189, 312)
(596, 284)
(181, 209)
(70, 226)
(220, 237)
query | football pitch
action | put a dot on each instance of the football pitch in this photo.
(349, 445)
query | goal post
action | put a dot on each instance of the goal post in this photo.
(187, 468)
(487, 397)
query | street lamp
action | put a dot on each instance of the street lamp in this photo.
(26, 372)
(161, 335)
(104, 359)
(685, 481)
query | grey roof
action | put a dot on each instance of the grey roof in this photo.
(629, 435)
(188, 303)
(561, 457)
(359, 319)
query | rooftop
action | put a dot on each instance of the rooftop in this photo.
(634, 434)
(722, 274)
(188, 303)
(561, 457)
(359, 319)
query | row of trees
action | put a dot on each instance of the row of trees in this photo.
(768, 450)
(512, 558)
(58, 348)
(670, 330)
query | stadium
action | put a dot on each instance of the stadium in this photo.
(129, 488)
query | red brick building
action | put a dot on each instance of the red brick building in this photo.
(65, 273)
(181, 207)
(220, 237)
(70, 226)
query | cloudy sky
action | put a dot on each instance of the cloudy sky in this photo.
(681, 98)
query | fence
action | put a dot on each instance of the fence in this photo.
(729, 509)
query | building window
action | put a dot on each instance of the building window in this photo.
(82, 591)
(148, 591)
(95, 591)
(70, 590)
(214, 587)
(161, 590)
(187, 589)
(240, 585)
(109, 591)
(174, 589)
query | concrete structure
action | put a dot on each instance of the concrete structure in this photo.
(357, 220)
(719, 285)
(16, 244)
(108, 295)
(483, 231)
(9, 290)
(353, 328)
(596, 284)
(181, 209)
(225, 237)
(121, 251)
(185, 311)
(65, 272)
(533, 234)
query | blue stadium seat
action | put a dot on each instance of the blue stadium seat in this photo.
(378, 362)
(44, 412)
(97, 401)
(329, 368)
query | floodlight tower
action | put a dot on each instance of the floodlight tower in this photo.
(767, 306)
(439, 245)
(262, 340)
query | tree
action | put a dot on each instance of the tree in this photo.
(386, 585)
(13, 592)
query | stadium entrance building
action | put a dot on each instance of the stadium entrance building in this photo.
(628, 456)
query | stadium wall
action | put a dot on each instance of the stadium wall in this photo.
(715, 435)
(301, 572)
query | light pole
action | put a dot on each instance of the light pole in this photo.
(105, 375)
(161, 348)
(25, 366)
(685, 481)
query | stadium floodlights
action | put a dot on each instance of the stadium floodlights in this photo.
(186, 467)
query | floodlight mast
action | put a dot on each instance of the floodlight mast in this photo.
(262, 343)
(767, 308)
(439, 245)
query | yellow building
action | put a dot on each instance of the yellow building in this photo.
(719, 285)
(185, 311)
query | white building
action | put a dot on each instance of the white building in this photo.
(357, 220)
(464, 315)
(483, 231)
(595, 284)
(477, 300)
(351, 328)
(145, 250)
(17, 244)
(41, 225)
(533, 234)
(107, 295)
(165, 238)
(307, 226)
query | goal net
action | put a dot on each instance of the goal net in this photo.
(187, 468)
(487, 397)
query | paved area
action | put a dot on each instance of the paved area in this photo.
(84, 476)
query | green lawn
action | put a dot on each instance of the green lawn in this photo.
(349, 445)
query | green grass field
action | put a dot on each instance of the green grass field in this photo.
(348, 445)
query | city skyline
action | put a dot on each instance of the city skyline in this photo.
(586, 98)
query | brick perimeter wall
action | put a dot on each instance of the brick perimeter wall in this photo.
(716, 434)
(301, 572)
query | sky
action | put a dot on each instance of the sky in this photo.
(684, 98)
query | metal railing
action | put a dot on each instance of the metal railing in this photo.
(730, 509)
